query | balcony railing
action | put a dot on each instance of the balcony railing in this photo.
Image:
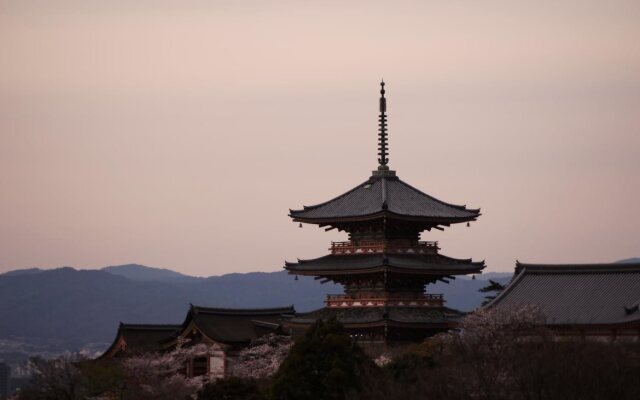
(424, 300)
(384, 246)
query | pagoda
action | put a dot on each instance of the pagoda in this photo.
(384, 265)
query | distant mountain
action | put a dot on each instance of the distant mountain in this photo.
(137, 272)
(67, 308)
(629, 260)
(490, 275)
(26, 271)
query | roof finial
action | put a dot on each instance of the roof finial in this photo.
(383, 160)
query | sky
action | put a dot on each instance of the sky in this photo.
(179, 134)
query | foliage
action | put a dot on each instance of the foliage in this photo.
(156, 376)
(105, 376)
(496, 354)
(493, 287)
(324, 364)
(231, 389)
(58, 379)
(507, 354)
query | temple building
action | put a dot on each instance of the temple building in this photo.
(580, 300)
(135, 339)
(224, 331)
(384, 265)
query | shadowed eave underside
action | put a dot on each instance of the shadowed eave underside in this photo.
(379, 317)
(385, 196)
(577, 294)
(432, 264)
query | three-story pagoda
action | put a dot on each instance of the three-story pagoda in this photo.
(384, 266)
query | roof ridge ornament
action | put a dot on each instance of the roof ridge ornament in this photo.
(383, 147)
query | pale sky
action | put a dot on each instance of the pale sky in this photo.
(178, 134)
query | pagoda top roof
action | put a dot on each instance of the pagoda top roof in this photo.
(384, 194)
(570, 294)
(417, 264)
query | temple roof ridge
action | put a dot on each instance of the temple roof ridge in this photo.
(243, 311)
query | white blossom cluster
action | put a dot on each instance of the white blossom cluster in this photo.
(262, 357)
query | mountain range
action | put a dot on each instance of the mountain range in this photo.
(68, 309)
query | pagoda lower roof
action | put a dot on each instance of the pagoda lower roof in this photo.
(385, 195)
(374, 316)
(421, 264)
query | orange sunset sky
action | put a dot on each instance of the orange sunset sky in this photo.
(178, 134)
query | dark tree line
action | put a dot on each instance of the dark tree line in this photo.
(496, 355)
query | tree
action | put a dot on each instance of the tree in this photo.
(158, 376)
(263, 357)
(324, 364)
(55, 379)
(493, 287)
(231, 389)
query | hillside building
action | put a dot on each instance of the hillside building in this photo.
(225, 331)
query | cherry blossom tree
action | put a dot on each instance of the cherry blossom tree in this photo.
(262, 358)
(161, 376)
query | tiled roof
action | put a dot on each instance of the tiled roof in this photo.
(140, 338)
(577, 294)
(386, 194)
(373, 315)
(234, 325)
(418, 263)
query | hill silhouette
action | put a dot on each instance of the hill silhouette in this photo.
(72, 308)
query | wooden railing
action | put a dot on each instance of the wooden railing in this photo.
(384, 246)
(424, 300)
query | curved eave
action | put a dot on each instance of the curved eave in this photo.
(466, 267)
(445, 324)
(307, 208)
(388, 214)
(114, 348)
(120, 338)
(380, 269)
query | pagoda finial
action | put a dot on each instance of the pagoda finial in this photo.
(383, 153)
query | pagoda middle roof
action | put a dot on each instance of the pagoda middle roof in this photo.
(434, 264)
(385, 193)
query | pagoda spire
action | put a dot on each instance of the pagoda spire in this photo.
(383, 152)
